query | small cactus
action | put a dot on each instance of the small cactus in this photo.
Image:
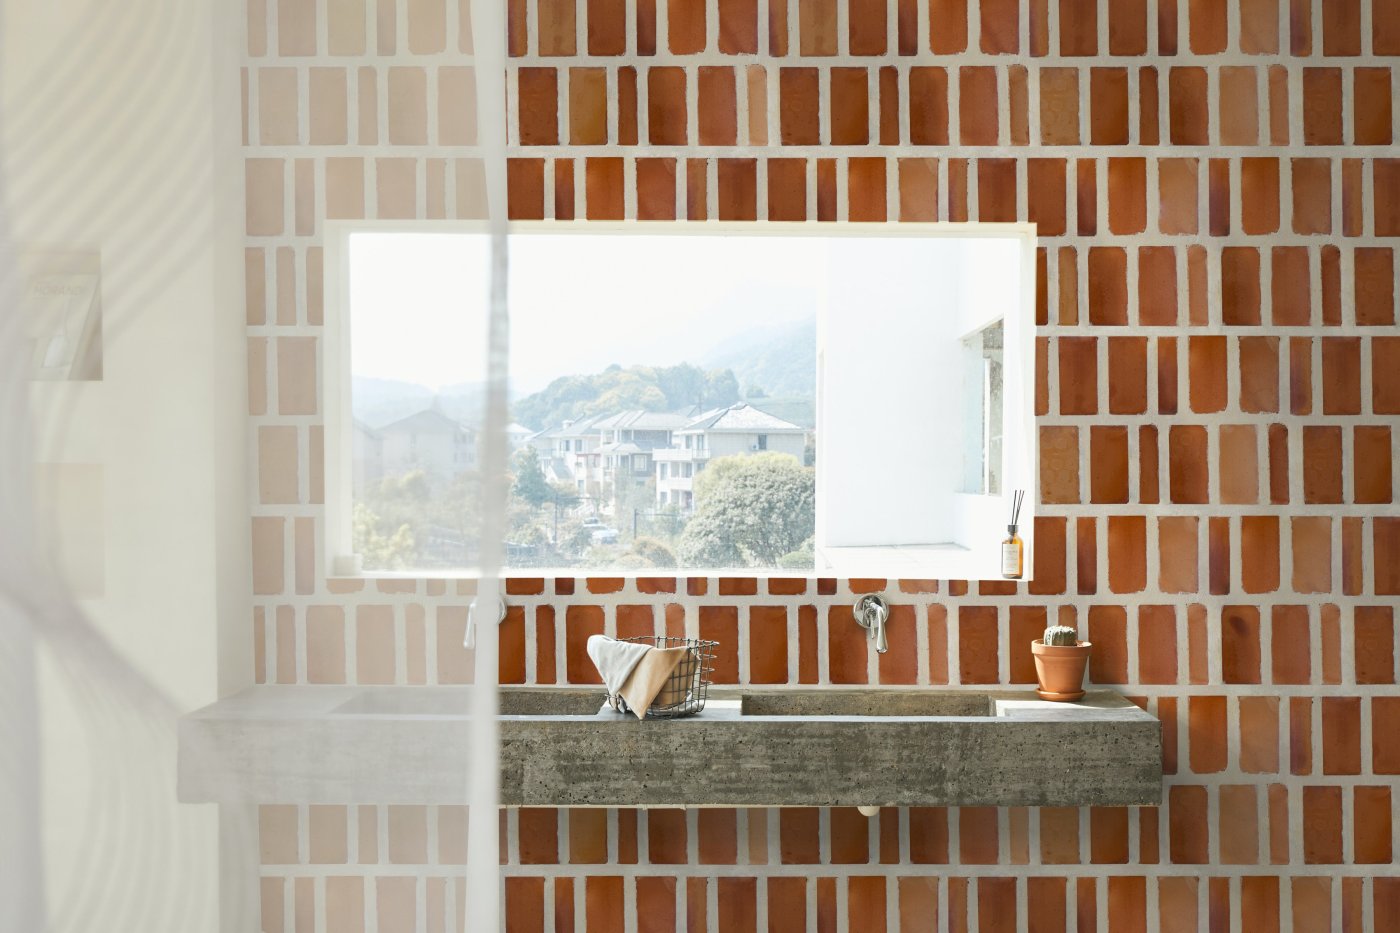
(1062, 636)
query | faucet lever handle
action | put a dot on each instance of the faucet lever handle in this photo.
(871, 612)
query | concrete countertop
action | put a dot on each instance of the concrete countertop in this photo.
(561, 747)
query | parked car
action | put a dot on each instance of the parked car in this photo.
(600, 533)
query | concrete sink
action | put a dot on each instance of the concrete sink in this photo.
(561, 746)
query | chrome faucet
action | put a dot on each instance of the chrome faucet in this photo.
(871, 613)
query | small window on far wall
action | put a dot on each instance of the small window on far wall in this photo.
(664, 398)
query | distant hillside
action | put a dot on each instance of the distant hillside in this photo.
(781, 360)
(381, 401)
(650, 388)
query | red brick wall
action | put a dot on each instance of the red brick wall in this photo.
(1218, 199)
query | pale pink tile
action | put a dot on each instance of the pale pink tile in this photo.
(408, 106)
(296, 27)
(272, 895)
(471, 189)
(259, 645)
(368, 123)
(454, 662)
(452, 835)
(329, 104)
(255, 284)
(436, 185)
(277, 834)
(345, 21)
(304, 905)
(397, 905)
(316, 468)
(257, 375)
(396, 188)
(368, 818)
(277, 106)
(325, 645)
(315, 285)
(464, 26)
(328, 834)
(304, 555)
(257, 28)
(408, 834)
(304, 197)
(345, 189)
(387, 26)
(345, 905)
(268, 555)
(374, 644)
(456, 105)
(296, 375)
(264, 196)
(436, 913)
(416, 644)
(286, 278)
(286, 645)
(427, 26)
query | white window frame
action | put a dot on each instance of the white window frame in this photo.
(1020, 472)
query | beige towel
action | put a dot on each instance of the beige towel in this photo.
(649, 681)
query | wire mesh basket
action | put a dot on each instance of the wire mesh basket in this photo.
(685, 690)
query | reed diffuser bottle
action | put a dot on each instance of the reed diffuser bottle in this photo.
(1013, 549)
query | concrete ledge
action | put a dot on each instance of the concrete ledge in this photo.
(833, 747)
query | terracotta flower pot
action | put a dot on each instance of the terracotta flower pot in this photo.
(1060, 669)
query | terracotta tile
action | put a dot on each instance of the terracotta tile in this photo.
(1341, 375)
(1108, 107)
(656, 193)
(996, 190)
(1189, 464)
(1108, 288)
(1079, 27)
(1059, 106)
(1157, 640)
(607, 27)
(1086, 555)
(1188, 828)
(1078, 359)
(1207, 358)
(1341, 735)
(1341, 28)
(1239, 464)
(978, 105)
(1108, 835)
(799, 101)
(1107, 630)
(865, 188)
(1178, 549)
(767, 644)
(957, 190)
(1259, 553)
(1059, 463)
(738, 189)
(1322, 825)
(1188, 109)
(1312, 201)
(538, 106)
(525, 184)
(580, 622)
(900, 665)
(1322, 464)
(1312, 554)
(1045, 185)
(846, 644)
(1050, 557)
(918, 189)
(787, 904)
(603, 187)
(718, 108)
(718, 836)
(1240, 652)
(1385, 375)
(1331, 644)
(721, 624)
(686, 26)
(1239, 113)
(1259, 374)
(849, 835)
(1157, 301)
(1374, 284)
(1371, 822)
(666, 106)
(1371, 106)
(928, 106)
(1177, 186)
(1108, 464)
(799, 833)
(1149, 465)
(1086, 196)
(656, 904)
(938, 644)
(977, 644)
(1208, 736)
(978, 835)
(1322, 106)
(1375, 645)
(918, 901)
(1258, 717)
(947, 26)
(604, 905)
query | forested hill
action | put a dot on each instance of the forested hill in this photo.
(651, 388)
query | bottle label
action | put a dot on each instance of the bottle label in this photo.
(1010, 559)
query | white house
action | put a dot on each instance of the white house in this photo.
(738, 430)
(429, 441)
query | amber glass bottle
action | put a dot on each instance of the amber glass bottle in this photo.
(1013, 555)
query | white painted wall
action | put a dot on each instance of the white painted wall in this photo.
(120, 136)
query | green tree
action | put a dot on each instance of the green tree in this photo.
(721, 388)
(530, 484)
(750, 511)
(381, 549)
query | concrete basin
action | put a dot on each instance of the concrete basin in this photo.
(561, 747)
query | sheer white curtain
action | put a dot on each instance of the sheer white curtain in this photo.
(121, 144)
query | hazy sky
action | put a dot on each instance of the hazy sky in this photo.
(578, 302)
